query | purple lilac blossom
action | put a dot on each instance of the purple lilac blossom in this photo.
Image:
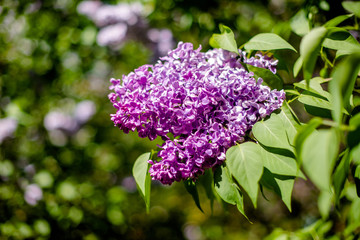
(207, 102)
(7, 128)
(125, 21)
(33, 194)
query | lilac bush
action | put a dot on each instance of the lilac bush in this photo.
(199, 103)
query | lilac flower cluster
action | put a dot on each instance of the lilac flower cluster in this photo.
(201, 104)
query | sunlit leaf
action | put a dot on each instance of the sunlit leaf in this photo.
(309, 50)
(268, 41)
(225, 40)
(300, 23)
(303, 132)
(337, 20)
(353, 7)
(279, 164)
(297, 66)
(319, 153)
(314, 87)
(289, 121)
(245, 164)
(315, 101)
(142, 177)
(324, 203)
(271, 133)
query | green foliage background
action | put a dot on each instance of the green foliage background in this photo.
(49, 60)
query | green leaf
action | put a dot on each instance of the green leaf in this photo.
(227, 189)
(342, 84)
(190, 186)
(300, 23)
(270, 79)
(271, 133)
(324, 203)
(355, 154)
(353, 7)
(315, 101)
(340, 175)
(318, 112)
(319, 153)
(314, 87)
(281, 185)
(309, 49)
(279, 164)
(225, 40)
(303, 132)
(268, 41)
(245, 164)
(355, 121)
(353, 137)
(357, 180)
(297, 66)
(345, 45)
(142, 177)
(206, 181)
(337, 20)
(289, 121)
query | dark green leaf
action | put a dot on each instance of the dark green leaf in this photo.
(270, 79)
(318, 112)
(340, 175)
(245, 164)
(191, 188)
(319, 153)
(353, 7)
(353, 137)
(267, 41)
(337, 20)
(281, 185)
(309, 50)
(227, 189)
(142, 177)
(271, 133)
(206, 181)
(225, 40)
(342, 84)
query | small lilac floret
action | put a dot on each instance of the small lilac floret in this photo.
(206, 101)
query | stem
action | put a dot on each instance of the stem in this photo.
(342, 127)
(291, 100)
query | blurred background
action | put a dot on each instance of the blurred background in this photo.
(65, 170)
